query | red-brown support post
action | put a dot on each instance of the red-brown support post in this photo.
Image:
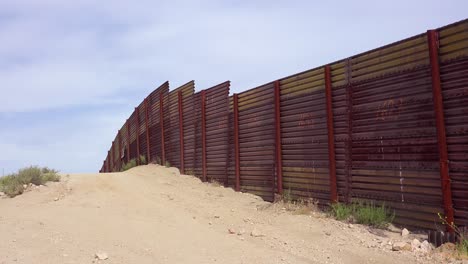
(181, 131)
(137, 112)
(120, 149)
(108, 161)
(331, 136)
(203, 124)
(113, 156)
(148, 157)
(128, 140)
(236, 140)
(433, 41)
(279, 159)
(161, 116)
(349, 141)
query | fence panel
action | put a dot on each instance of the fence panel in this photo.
(304, 136)
(453, 54)
(217, 132)
(172, 126)
(257, 141)
(389, 142)
(154, 122)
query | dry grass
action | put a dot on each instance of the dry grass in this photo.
(13, 184)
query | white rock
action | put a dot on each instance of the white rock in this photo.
(398, 246)
(426, 247)
(2, 194)
(25, 186)
(415, 244)
(256, 233)
(404, 232)
(101, 255)
(231, 231)
(56, 199)
(350, 226)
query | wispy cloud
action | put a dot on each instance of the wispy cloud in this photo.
(71, 72)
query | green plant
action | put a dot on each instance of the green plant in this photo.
(341, 211)
(167, 164)
(370, 214)
(286, 196)
(188, 172)
(142, 159)
(130, 164)
(363, 213)
(158, 160)
(13, 184)
(462, 245)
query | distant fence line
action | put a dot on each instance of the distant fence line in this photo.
(389, 125)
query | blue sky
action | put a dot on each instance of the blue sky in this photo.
(71, 72)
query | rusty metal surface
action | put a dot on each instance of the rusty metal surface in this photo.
(257, 141)
(154, 122)
(304, 136)
(369, 119)
(217, 132)
(172, 122)
(454, 79)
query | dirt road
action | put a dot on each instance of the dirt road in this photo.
(151, 214)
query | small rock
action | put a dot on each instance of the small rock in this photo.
(350, 226)
(231, 231)
(415, 244)
(210, 223)
(404, 232)
(2, 194)
(328, 233)
(216, 216)
(56, 199)
(232, 210)
(256, 233)
(400, 246)
(426, 247)
(25, 186)
(241, 232)
(101, 255)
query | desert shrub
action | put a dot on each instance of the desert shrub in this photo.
(341, 211)
(363, 213)
(13, 184)
(130, 164)
(143, 159)
(167, 164)
(462, 244)
(370, 214)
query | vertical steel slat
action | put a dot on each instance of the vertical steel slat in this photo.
(433, 42)
(113, 156)
(279, 160)
(161, 115)
(120, 149)
(108, 160)
(128, 140)
(331, 136)
(181, 132)
(137, 112)
(236, 140)
(349, 141)
(148, 157)
(203, 119)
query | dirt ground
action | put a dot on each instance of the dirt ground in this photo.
(151, 214)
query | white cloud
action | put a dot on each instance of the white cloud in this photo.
(60, 55)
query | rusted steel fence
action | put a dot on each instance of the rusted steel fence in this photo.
(389, 126)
